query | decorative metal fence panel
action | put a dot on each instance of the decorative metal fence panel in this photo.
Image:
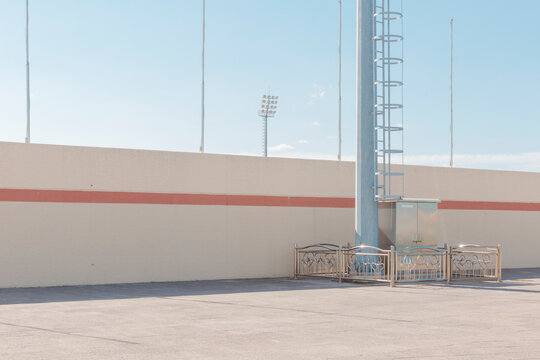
(418, 263)
(474, 262)
(320, 260)
(366, 263)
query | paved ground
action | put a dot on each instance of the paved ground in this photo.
(274, 319)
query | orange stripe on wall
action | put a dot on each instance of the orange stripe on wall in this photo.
(120, 197)
(488, 205)
(110, 197)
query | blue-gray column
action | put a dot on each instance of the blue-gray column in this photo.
(366, 219)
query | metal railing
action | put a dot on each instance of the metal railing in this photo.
(474, 262)
(365, 263)
(320, 260)
(417, 263)
(420, 263)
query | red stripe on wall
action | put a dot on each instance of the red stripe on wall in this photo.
(119, 197)
(110, 197)
(488, 205)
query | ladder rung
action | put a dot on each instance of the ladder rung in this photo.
(386, 173)
(389, 151)
(389, 128)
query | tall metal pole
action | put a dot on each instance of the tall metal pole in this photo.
(339, 101)
(268, 110)
(202, 73)
(452, 92)
(366, 210)
(265, 136)
(27, 80)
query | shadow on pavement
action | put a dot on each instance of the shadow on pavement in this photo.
(513, 280)
(159, 289)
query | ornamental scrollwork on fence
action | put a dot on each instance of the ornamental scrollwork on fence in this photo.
(420, 266)
(418, 263)
(473, 265)
(421, 261)
(314, 262)
(366, 266)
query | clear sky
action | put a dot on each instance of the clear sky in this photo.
(126, 73)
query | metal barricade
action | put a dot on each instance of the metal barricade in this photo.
(366, 263)
(474, 262)
(420, 263)
(319, 260)
(417, 263)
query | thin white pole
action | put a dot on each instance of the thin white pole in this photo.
(452, 92)
(266, 135)
(339, 101)
(27, 81)
(202, 73)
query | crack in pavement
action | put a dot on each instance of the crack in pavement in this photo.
(288, 309)
(69, 334)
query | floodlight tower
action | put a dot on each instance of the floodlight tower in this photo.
(268, 110)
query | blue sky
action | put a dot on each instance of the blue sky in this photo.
(126, 73)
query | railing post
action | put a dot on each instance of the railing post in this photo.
(339, 262)
(391, 265)
(449, 265)
(445, 267)
(295, 262)
(499, 263)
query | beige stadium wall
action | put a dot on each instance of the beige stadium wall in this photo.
(48, 243)
(484, 207)
(77, 215)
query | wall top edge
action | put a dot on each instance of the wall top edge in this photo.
(251, 157)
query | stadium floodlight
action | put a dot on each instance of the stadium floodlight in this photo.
(267, 110)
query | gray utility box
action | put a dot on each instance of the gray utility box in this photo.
(408, 222)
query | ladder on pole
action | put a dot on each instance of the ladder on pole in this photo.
(388, 95)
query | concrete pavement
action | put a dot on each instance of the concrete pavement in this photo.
(275, 319)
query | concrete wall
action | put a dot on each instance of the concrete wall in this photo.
(48, 243)
(517, 231)
(61, 240)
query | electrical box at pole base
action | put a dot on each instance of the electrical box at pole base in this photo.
(408, 222)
